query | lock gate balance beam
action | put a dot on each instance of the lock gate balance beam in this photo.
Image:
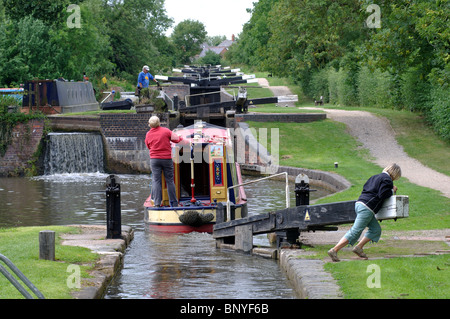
(289, 222)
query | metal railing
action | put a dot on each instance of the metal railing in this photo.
(168, 100)
(22, 277)
(256, 181)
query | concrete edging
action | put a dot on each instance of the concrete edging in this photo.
(308, 276)
(111, 252)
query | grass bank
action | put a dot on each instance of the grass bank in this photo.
(394, 278)
(21, 246)
(318, 145)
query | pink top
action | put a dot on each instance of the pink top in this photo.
(158, 142)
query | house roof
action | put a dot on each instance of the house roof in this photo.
(220, 49)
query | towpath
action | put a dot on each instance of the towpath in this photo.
(376, 134)
(277, 90)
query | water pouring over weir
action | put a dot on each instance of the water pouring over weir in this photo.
(73, 153)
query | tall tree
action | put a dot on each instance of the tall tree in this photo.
(187, 37)
(134, 28)
(48, 11)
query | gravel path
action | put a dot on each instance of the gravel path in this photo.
(377, 135)
(277, 91)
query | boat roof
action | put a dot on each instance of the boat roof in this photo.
(202, 132)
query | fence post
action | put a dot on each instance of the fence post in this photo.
(47, 245)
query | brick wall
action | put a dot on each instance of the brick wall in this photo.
(124, 136)
(25, 142)
(180, 89)
(75, 123)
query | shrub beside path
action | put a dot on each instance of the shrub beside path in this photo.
(376, 134)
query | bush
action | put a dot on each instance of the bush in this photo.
(439, 114)
(414, 90)
(210, 58)
(375, 88)
(341, 90)
(9, 120)
(319, 85)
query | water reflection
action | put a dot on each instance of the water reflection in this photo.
(189, 266)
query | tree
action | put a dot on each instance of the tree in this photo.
(210, 58)
(135, 28)
(84, 49)
(215, 40)
(187, 37)
(251, 47)
(49, 12)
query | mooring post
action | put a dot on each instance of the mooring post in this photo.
(244, 238)
(113, 213)
(302, 190)
(47, 245)
(175, 102)
(220, 213)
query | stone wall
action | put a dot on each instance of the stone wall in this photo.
(124, 136)
(75, 123)
(179, 89)
(25, 142)
(281, 117)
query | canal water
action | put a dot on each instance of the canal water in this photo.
(155, 265)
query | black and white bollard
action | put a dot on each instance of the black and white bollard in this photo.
(113, 213)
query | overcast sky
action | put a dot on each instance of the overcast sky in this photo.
(219, 17)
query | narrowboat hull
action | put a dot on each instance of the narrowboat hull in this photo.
(202, 219)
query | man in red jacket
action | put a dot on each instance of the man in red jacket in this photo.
(158, 142)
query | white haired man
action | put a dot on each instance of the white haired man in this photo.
(158, 140)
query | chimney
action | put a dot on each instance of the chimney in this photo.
(232, 37)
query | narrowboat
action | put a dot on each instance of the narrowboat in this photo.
(204, 169)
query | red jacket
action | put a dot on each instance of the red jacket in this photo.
(158, 142)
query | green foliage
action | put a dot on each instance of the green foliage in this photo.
(340, 88)
(47, 11)
(187, 37)
(374, 88)
(149, 96)
(210, 58)
(439, 113)
(9, 120)
(114, 37)
(403, 64)
(135, 31)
